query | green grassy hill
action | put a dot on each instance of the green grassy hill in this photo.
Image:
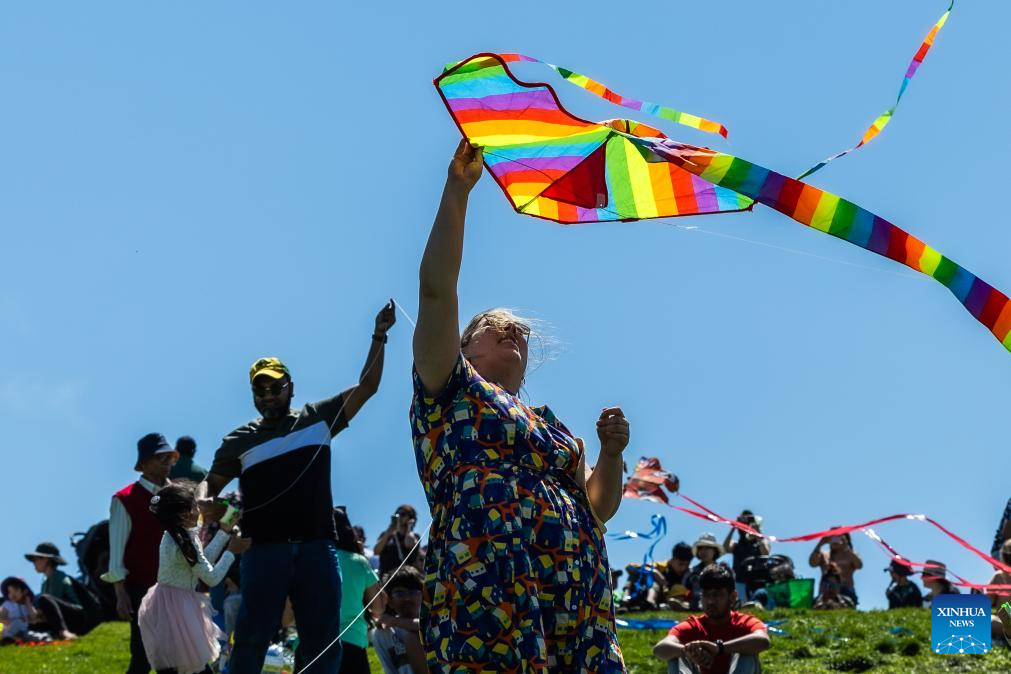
(892, 642)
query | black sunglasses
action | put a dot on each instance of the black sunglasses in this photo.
(275, 389)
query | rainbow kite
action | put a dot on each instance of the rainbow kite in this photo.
(878, 124)
(554, 165)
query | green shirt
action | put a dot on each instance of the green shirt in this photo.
(186, 469)
(58, 585)
(357, 575)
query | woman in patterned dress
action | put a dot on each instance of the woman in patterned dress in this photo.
(516, 578)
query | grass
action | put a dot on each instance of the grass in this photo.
(837, 641)
(816, 641)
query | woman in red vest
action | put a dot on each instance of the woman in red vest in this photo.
(134, 537)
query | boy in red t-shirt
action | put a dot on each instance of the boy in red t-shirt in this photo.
(722, 641)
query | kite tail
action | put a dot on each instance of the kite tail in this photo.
(879, 124)
(843, 219)
(905, 561)
(611, 96)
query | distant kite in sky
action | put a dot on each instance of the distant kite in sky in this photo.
(554, 165)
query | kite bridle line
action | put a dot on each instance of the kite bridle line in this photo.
(687, 228)
(795, 251)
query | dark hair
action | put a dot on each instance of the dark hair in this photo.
(717, 577)
(346, 539)
(846, 537)
(409, 509)
(359, 532)
(186, 445)
(19, 583)
(407, 577)
(682, 551)
(170, 506)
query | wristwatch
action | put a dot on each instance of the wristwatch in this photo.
(379, 338)
(720, 650)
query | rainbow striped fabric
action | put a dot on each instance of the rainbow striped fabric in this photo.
(554, 165)
(834, 215)
(878, 124)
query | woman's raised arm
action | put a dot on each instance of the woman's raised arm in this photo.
(437, 336)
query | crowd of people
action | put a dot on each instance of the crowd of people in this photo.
(515, 575)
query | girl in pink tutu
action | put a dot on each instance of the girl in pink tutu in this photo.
(175, 620)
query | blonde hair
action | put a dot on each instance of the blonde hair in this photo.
(500, 317)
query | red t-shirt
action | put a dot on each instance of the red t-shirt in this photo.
(701, 628)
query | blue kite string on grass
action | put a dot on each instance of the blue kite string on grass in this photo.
(651, 624)
(658, 531)
(663, 624)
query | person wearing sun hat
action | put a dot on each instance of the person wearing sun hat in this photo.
(134, 538)
(902, 592)
(707, 550)
(47, 561)
(935, 579)
(60, 606)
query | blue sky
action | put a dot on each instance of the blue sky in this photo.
(185, 188)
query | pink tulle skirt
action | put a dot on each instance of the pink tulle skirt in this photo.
(177, 629)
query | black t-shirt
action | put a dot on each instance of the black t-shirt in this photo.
(901, 596)
(747, 546)
(284, 473)
(393, 553)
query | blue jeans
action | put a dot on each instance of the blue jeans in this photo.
(309, 574)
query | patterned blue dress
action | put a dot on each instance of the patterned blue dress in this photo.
(516, 577)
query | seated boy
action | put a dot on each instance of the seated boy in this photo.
(396, 640)
(722, 641)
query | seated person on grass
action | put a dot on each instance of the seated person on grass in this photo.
(722, 641)
(643, 590)
(707, 551)
(831, 592)
(17, 612)
(902, 592)
(935, 579)
(675, 576)
(396, 639)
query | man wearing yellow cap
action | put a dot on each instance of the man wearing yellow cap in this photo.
(282, 461)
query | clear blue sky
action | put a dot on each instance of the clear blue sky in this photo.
(186, 187)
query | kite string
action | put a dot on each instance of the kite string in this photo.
(390, 575)
(290, 440)
(382, 588)
(344, 402)
(795, 251)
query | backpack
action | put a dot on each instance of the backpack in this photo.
(92, 549)
(92, 605)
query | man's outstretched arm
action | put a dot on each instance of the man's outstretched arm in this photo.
(368, 383)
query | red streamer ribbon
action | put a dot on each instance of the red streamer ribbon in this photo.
(649, 480)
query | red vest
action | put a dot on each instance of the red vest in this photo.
(141, 555)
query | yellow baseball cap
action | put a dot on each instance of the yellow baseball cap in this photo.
(272, 367)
